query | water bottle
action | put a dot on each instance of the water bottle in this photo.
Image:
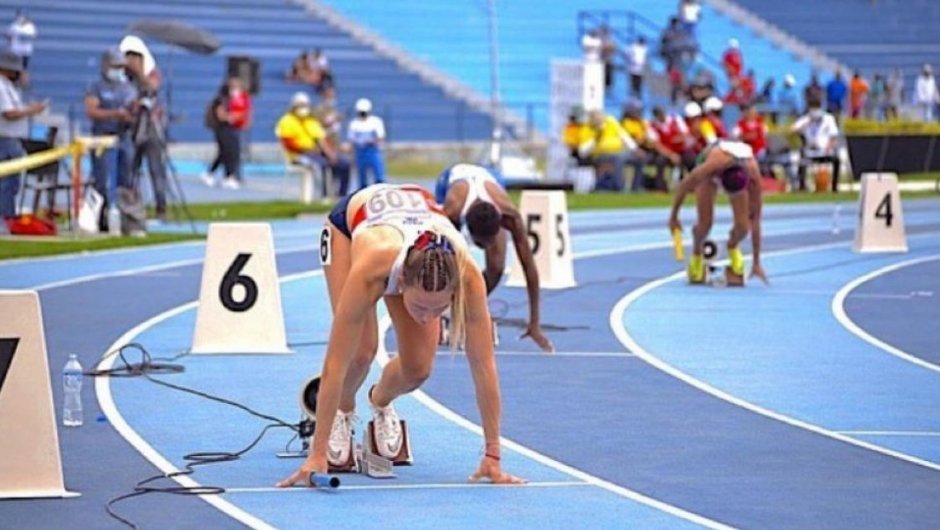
(114, 221)
(72, 380)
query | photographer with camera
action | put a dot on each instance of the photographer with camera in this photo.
(108, 103)
(147, 130)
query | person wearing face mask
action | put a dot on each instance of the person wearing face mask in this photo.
(13, 127)
(820, 134)
(305, 142)
(228, 115)
(107, 104)
(367, 134)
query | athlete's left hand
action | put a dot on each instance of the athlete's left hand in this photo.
(758, 272)
(535, 333)
(490, 469)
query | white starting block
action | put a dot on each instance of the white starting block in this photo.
(402, 458)
(880, 225)
(546, 217)
(30, 463)
(240, 297)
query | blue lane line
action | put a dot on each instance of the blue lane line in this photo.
(816, 371)
(445, 453)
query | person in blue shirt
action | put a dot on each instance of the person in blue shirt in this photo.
(367, 134)
(835, 95)
(108, 104)
(788, 99)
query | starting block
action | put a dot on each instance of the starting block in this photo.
(402, 458)
(713, 277)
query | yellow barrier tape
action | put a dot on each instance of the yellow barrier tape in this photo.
(25, 163)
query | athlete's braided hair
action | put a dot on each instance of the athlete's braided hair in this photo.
(434, 264)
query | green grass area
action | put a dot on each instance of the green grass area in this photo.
(11, 247)
(413, 169)
(247, 211)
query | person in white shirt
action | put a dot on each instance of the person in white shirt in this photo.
(690, 12)
(820, 134)
(367, 134)
(636, 57)
(21, 34)
(925, 93)
(13, 127)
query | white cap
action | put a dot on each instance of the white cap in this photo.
(300, 99)
(713, 104)
(134, 44)
(789, 80)
(692, 110)
(363, 105)
(733, 43)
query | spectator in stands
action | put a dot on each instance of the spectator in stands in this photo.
(305, 142)
(366, 132)
(576, 134)
(609, 146)
(322, 73)
(820, 134)
(608, 52)
(788, 102)
(108, 104)
(858, 94)
(714, 109)
(676, 83)
(752, 130)
(894, 94)
(591, 45)
(673, 137)
(13, 126)
(690, 14)
(148, 129)
(328, 114)
(701, 132)
(636, 66)
(835, 95)
(925, 93)
(649, 149)
(814, 91)
(21, 35)
(877, 98)
(670, 43)
(732, 60)
(229, 115)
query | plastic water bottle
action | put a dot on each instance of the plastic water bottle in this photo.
(72, 380)
(114, 221)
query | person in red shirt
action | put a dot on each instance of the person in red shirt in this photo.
(732, 60)
(673, 137)
(239, 104)
(752, 130)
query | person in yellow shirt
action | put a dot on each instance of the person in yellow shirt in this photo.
(304, 141)
(576, 133)
(609, 147)
(650, 149)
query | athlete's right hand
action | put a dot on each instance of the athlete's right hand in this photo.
(674, 224)
(314, 464)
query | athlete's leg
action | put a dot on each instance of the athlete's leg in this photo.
(741, 211)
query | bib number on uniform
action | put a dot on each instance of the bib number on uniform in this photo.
(326, 246)
(233, 277)
(395, 199)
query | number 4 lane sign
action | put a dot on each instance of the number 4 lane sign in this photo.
(880, 219)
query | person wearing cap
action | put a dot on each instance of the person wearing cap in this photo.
(609, 147)
(575, 133)
(788, 99)
(820, 133)
(926, 95)
(366, 132)
(701, 130)
(14, 127)
(305, 142)
(713, 113)
(108, 103)
(649, 148)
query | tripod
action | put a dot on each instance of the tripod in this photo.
(148, 136)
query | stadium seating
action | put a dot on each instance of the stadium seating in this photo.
(73, 33)
(897, 33)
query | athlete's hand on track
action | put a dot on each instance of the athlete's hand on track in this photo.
(302, 475)
(535, 333)
(490, 469)
(758, 272)
(674, 224)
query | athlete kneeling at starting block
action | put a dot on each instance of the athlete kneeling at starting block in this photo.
(732, 166)
(474, 198)
(394, 243)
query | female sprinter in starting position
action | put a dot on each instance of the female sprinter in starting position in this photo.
(732, 165)
(394, 242)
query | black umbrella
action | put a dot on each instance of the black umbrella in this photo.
(179, 34)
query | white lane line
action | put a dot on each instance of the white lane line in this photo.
(620, 331)
(383, 358)
(891, 433)
(838, 309)
(110, 410)
(144, 270)
(432, 486)
(508, 353)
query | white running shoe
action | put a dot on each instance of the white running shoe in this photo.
(387, 430)
(341, 436)
(231, 183)
(207, 179)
